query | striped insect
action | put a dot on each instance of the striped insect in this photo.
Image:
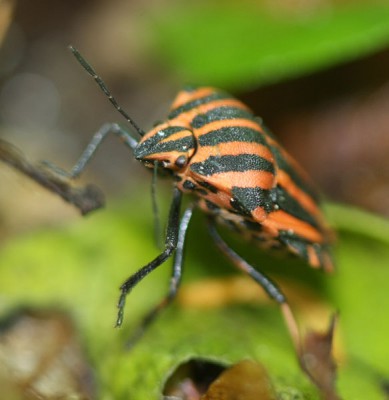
(217, 151)
(221, 154)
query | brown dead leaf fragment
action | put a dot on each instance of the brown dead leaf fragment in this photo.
(246, 380)
(207, 380)
(191, 379)
(317, 361)
(86, 199)
(41, 358)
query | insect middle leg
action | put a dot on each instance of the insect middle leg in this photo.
(267, 284)
(175, 279)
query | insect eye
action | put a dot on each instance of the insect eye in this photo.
(181, 161)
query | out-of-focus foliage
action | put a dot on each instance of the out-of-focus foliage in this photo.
(79, 269)
(243, 44)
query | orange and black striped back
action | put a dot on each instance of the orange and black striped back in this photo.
(240, 173)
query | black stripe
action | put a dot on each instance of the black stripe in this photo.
(294, 175)
(169, 131)
(161, 135)
(219, 114)
(147, 148)
(239, 163)
(189, 185)
(181, 145)
(197, 102)
(252, 225)
(248, 199)
(212, 206)
(208, 186)
(231, 134)
(287, 203)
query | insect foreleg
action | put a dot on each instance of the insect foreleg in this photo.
(97, 140)
(175, 279)
(90, 150)
(172, 236)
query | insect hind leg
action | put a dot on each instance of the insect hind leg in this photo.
(267, 284)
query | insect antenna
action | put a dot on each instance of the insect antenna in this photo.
(89, 69)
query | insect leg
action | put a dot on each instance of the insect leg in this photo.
(97, 140)
(171, 241)
(91, 148)
(267, 284)
(175, 279)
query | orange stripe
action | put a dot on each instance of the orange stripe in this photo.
(313, 259)
(259, 214)
(290, 160)
(297, 167)
(233, 149)
(186, 117)
(221, 199)
(165, 155)
(203, 108)
(303, 198)
(184, 97)
(176, 136)
(280, 220)
(154, 131)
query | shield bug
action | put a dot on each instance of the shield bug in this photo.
(218, 152)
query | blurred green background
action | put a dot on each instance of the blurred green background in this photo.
(316, 71)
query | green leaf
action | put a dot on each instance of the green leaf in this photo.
(79, 268)
(360, 290)
(239, 45)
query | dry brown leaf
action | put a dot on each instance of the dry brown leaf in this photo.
(246, 380)
(317, 360)
(41, 358)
